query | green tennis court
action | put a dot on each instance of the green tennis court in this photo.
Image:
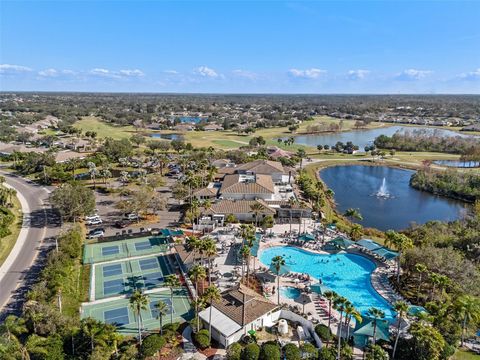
(122, 249)
(122, 277)
(119, 312)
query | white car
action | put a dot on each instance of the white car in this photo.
(132, 217)
(96, 233)
(93, 220)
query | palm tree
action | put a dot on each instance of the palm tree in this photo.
(421, 269)
(12, 327)
(468, 308)
(92, 170)
(330, 296)
(292, 201)
(256, 209)
(375, 314)
(245, 253)
(401, 243)
(193, 245)
(443, 283)
(356, 231)
(172, 281)
(277, 263)
(139, 302)
(211, 294)
(96, 331)
(197, 273)
(353, 214)
(162, 309)
(435, 280)
(401, 308)
(210, 251)
(351, 312)
(301, 155)
(339, 305)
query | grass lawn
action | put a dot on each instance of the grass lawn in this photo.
(7, 243)
(103, 129)
(465, 355)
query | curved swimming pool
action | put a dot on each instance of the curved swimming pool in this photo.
(346, 274)
(290, 292)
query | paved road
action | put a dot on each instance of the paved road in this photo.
(39, 225)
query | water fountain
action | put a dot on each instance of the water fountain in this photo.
(383, 191)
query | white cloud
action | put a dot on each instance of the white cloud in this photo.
(171, 72)
(357, 74)
(413, 74)
(312, 73)
(102, 72)
(48, 73)
(131, 73)
(472, 75)
(206, 72)
(13, 69)
(245, 74)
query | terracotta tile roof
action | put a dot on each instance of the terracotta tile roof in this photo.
(231, 304)
(262, 167)
(238, 207)
(206, 192)
(232, 184)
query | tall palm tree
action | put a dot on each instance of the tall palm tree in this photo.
(12, 327)
(277, 263)
(197, 273)
(468, 308)
(172, 281)
(443, 282)
(95, 331)
(245, 253)
(256, 208)
(401, 308)
(376, 315)
(339, 305)
(351, 312)
(193, 245)
(330, 296)
(211, 295)
(162, 309)
(356, 231)
(210, 251)
(353, 214)
(138, 302)
(400, 242)
(421, 269)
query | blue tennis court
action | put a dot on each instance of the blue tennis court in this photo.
(154, 310)
(110, 250)
(149, 264)
(144, 245)
(112, 270)
(153, 279)
(117, 316)
(113, 287)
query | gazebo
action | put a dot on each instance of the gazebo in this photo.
(341, 243)
(306, 237)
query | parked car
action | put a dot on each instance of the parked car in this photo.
(94, 220)
(132, 217)
(121, 224)
(96, 233)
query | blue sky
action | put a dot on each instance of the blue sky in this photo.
(241, 47)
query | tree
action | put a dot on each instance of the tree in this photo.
(356, 231)
(401, 243)
(152, 344)
(202, 338)
(250, 352)
(309, 351)
(210, 251)
(351, 312)
(269, 351)
(292, 352)
(12, 327)
(401, 308)
(468, 308)
(353, 214)
(73, 200)
(277, 263)
(211, 295)
(376, 315)
(339, 305)
(162, 309)
(139, 302)
(331, 296)
(197, 273)
(375, 352)
(427, 342)
(116, 149)
(301, 154)
(256, 208)
(171, 281)
(234, 351)
(98, 333)
(421, 269)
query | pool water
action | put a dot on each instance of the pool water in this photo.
(346, 274)
(290, 292)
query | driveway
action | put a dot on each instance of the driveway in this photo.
(40, 224)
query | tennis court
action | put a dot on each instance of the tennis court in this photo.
(119, 312)
(122, 277)
(123, 249)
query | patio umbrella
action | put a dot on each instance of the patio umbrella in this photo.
(366, 329)
(341, 242)
(303, 299)
(306, 237)
(319, 288)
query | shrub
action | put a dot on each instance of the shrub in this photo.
(151, 344)
(292, 352)
(202, 339)
(269, 351)
(309, 351)
(231, 219)
(323, 332)
(234, 352)
(327, 354)
(250, 352)
(375, 352)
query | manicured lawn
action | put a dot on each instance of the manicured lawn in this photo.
(465, 355)
(7, 243)
(103, 130)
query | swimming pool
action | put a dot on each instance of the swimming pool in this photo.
(346, 274)
(289, 292)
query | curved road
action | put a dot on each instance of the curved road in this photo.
(24, 262)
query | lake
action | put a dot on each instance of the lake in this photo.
(358, 186)
(166, 136)
(457, 163)
(363, 138)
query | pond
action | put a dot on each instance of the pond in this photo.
(385, 198)
(166, 136)
(457, 163)
(363, 138)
